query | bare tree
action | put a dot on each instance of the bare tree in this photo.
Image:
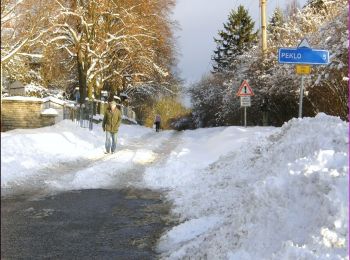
(23, 23)
(108, 40)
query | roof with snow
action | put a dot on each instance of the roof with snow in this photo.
(23, 99)
(54, 100)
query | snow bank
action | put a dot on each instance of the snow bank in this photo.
(27, 151)
(198, 150)
(278, 197)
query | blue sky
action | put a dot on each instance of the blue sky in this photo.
(200, 21)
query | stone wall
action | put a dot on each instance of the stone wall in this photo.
(18, 112)
(57, 107)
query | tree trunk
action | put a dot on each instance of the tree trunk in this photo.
(90, 90)
(82, 81)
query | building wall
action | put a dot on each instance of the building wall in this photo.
(23, 114)
(57, 107)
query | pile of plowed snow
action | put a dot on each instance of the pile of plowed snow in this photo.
(26, 153)
(268, 196)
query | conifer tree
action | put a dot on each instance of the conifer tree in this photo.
(276, 21)
(236, 37)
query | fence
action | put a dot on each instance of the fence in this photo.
(80, 114)
(83, 115)
(128, 114)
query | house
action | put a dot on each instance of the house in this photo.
(16, 89)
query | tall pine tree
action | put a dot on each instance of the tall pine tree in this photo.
(276, 21)
(237, 37)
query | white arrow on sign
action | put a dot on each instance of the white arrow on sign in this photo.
(304, 44)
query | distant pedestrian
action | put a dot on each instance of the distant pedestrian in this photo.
(157, 122)
(110, 124)
(77, 94)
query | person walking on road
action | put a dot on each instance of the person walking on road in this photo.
(157, 121)
(110, 124)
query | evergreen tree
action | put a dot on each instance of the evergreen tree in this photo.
(276, 21)
(236, 38)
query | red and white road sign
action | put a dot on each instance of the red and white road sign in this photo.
(245, 90)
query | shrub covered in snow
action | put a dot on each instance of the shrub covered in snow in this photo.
(33, 90)
(326, 91)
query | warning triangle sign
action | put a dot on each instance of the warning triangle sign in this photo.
(245, 90)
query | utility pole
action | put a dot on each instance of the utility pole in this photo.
(263, 26)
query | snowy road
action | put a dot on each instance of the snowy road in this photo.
(118, 171)
(40, 220)
(235, 193)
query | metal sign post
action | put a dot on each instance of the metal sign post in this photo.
(245, 92)
(303, 54)
(301, 97)
(302, 70)
(245, 102)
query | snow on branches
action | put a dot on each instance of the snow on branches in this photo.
(89, 43)
(278, 84)
(110, 40)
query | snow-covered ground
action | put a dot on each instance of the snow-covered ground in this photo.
(67, 157)
(239, 193)
(245, 194)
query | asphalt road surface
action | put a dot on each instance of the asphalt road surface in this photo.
(86, 224)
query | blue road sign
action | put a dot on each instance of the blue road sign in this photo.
(303, 56)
